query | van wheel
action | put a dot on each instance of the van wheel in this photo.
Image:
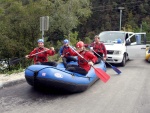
(123, 61)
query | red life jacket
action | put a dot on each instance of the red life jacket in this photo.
(81, 60)
(66, 52)
(41, 57)
(86, 55)
(41, 54)
(98, 47)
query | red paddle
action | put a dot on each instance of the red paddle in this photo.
(99, 72)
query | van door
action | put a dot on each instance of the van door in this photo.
(136, 46)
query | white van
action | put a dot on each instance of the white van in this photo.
(122, 46)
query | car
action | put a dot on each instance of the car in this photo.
(147, 56)
(122, 45)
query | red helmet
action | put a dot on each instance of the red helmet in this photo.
(79, 44)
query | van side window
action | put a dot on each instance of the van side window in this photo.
(127, 41)
(126, 36)
(133, 40)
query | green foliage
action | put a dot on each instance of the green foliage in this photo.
(8, 47)
(146, 27)
(55, 58)
(91, 34)
(72, 38)
(58, 45)
(13, 71)
(72, 19)
(88, 40)
(67, 15)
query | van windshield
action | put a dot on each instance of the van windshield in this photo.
(112, 37)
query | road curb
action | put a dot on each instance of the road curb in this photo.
(11, 83)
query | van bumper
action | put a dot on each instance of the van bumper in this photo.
(114, 59)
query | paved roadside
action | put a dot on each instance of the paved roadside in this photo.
(10, 80)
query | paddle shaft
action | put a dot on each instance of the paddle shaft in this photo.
(113, 67)
(78, 53)
(99, 72)
(100, 56)
(29, 55)
(81, 56)
(39, 52)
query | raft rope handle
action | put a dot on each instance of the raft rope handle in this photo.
(73, 74)
(54, 68)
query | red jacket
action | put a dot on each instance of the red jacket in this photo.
(88, 55)
(66, 51)
(42, 56)
(99, 48)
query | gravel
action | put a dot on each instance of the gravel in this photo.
(12, 79)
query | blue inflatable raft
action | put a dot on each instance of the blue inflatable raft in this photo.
(59, 78)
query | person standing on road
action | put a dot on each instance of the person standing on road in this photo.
(40, 54)
(99, 49)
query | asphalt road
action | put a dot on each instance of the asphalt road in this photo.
(125, 93)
